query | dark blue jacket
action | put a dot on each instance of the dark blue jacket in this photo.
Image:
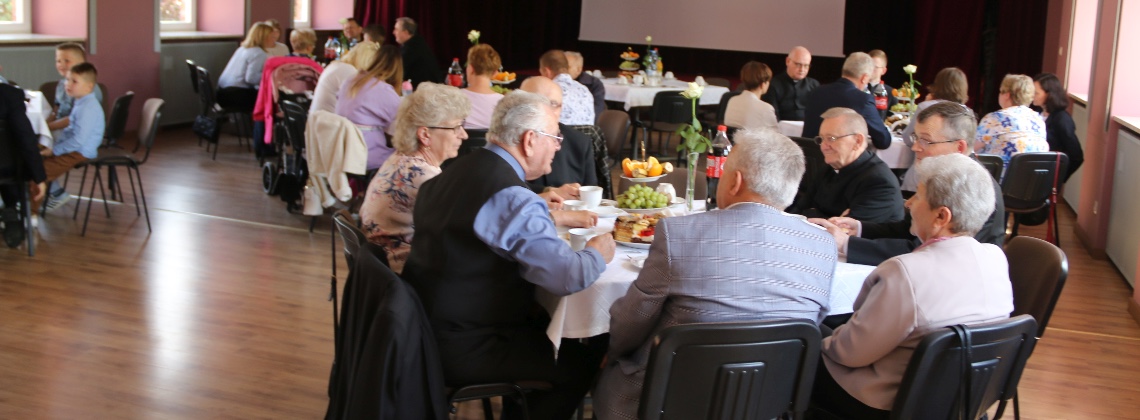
(843, 93)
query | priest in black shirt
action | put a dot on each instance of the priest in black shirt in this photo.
(789, 89)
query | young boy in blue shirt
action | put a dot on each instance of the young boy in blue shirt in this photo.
(80, 140)
(67, 55)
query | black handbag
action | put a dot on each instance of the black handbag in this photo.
(207, 128)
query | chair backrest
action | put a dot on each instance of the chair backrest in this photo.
(602, 160)
(718, 81)
(476, 139)
(930, 387)
(148, 128)
(740, 370)
(993, 163)
(295, 117)
(615, 128)
(48, 89)
(1029, 178)
(206, 94)
(350, 234)
(11, 158)
(670, 107)
(723, 106)
(193, 74)
(117, 121)
(678, 178)
(1038, 270)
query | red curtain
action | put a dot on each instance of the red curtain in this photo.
(949, 34)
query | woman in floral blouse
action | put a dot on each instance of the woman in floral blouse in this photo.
(1015, 128)
(429, 130)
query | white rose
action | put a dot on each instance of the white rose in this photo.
(473, 36)
(694, 91)
(910, 69)
(649, 38)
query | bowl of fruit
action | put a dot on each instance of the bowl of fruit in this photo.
(639, 199)
(503, 78)
(644, 171)
(629, 55)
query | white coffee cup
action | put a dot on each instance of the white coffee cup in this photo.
(597, 73)
(638, 79)
(573, 205)
(622, 80)
(667, 189)
(669, 75)
(591, 195)
(579, 237)
(653, 81)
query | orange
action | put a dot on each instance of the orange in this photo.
(627, 168)
(652, 167)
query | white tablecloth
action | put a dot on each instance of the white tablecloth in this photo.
(587, 313)
(635, 96)
(897, 156)
(38, 109)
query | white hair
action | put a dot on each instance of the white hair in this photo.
(432, 104)
(850, 120)
(517, 113)
(770, 163)
(858, 64)
(960, 184)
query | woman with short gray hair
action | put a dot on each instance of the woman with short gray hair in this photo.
(1014, 128)
(951, 279)
(429, 130)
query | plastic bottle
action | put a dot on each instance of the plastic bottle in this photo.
(718, 154)
(455, 74)
(331, 48)
(880, 92)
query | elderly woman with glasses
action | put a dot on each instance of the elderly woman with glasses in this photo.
(1014, 128)
(428, 131)
(950, 279)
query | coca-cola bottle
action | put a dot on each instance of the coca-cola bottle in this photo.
(881, 100)
(331, 47)
(718, 154)
(455, 74)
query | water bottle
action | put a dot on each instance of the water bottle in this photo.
(455, 74)
(718, 154)
(330, 49)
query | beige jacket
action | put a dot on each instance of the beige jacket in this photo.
(955, 281)
(334, 147)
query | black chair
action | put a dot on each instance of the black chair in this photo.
(1037, 270)
(719, 81)
(615, 128)
(48, 89)
(668, 112)
(193, 74)
(1031, 183)
(935, 382)
(12, 159)
(148, 130)
(993, 163)
(743, 370)
(476, 139)
(208, 106)
(117, 120)
(602, 161)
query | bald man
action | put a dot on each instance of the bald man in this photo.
(573, 165)
(789, 89)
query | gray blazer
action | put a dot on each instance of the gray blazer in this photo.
(746, 262)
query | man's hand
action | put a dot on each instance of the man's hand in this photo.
(45, 152)
(835, 231)
(569, 190)
(37, 190)
(553, 200)
(849, 225)
(605, 244)
(575, 218)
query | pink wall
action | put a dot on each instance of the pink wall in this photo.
(327, 13)
(282, 10)
(60, 17)
(221, 16)
(1100, 144)
(1126, 87)
(1081, 54)
(125, 54)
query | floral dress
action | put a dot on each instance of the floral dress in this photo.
(1007, 132)
(386, 214)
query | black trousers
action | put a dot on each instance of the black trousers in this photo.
(831, 397)
(524, 355)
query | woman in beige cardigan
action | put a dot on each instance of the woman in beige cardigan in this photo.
(951, 279)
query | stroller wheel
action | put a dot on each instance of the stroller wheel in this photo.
(269, 172)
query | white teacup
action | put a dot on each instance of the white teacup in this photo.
(622, 80)
(638, 79)
(653, 81)
(667, 189)
(579, 237)
(597, 73)
(573, 205)
(590, 195)
(669, 75)
(700, 81)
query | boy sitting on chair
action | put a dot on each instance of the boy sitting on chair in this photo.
(80, 140)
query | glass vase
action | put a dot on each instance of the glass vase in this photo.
(690, 181)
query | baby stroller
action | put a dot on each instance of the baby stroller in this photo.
(283, 173)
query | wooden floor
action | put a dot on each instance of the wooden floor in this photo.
(222, 311)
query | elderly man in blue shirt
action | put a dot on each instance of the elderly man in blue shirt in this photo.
(484, 242)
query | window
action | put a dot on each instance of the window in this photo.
(301, 14)
(177, 15)
(15, 16)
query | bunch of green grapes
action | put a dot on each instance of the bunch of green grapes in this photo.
(641, 197)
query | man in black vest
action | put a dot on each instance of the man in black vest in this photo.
(420, 64)
(483, 242)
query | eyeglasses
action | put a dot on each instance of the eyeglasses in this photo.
(802, 65)
(457, 129)
(555, 104)
(559, 138)
(927, 143)
(831, 139)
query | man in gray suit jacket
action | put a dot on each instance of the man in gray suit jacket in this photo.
(749, 261)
